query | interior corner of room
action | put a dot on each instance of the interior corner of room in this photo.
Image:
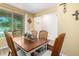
(56, 19)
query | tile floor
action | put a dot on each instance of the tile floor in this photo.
(4, 52)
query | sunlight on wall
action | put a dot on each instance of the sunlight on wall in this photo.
(47, 22)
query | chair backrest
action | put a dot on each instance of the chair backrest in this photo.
(58, 45)
(34, 33)
(17, 33)
(10, 44)
(43, 34)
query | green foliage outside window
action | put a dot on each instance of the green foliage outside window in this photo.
(9, 23)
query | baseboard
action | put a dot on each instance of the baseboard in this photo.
(61, 54)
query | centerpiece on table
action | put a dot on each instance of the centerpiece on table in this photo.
(29, 36)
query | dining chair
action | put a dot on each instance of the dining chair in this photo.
(43, 34)
(34, 33)
(56, 49)
(12, 49)
(17, 33)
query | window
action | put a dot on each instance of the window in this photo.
(10, 22)
(17, 25)
(5, 22)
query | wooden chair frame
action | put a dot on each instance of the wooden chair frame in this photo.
(10, 44)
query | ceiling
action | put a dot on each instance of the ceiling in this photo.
(33, 7)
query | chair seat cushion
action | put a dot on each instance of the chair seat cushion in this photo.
(21, 53)
(47, 53)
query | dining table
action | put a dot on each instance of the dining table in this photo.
(29, 46)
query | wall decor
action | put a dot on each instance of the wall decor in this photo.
(29, 20)
(76, 14)
(64, 5)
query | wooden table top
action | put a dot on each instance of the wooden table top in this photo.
(28, 45)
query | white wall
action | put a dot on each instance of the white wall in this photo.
(38, 23)
(68, 24)
(47, 22)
